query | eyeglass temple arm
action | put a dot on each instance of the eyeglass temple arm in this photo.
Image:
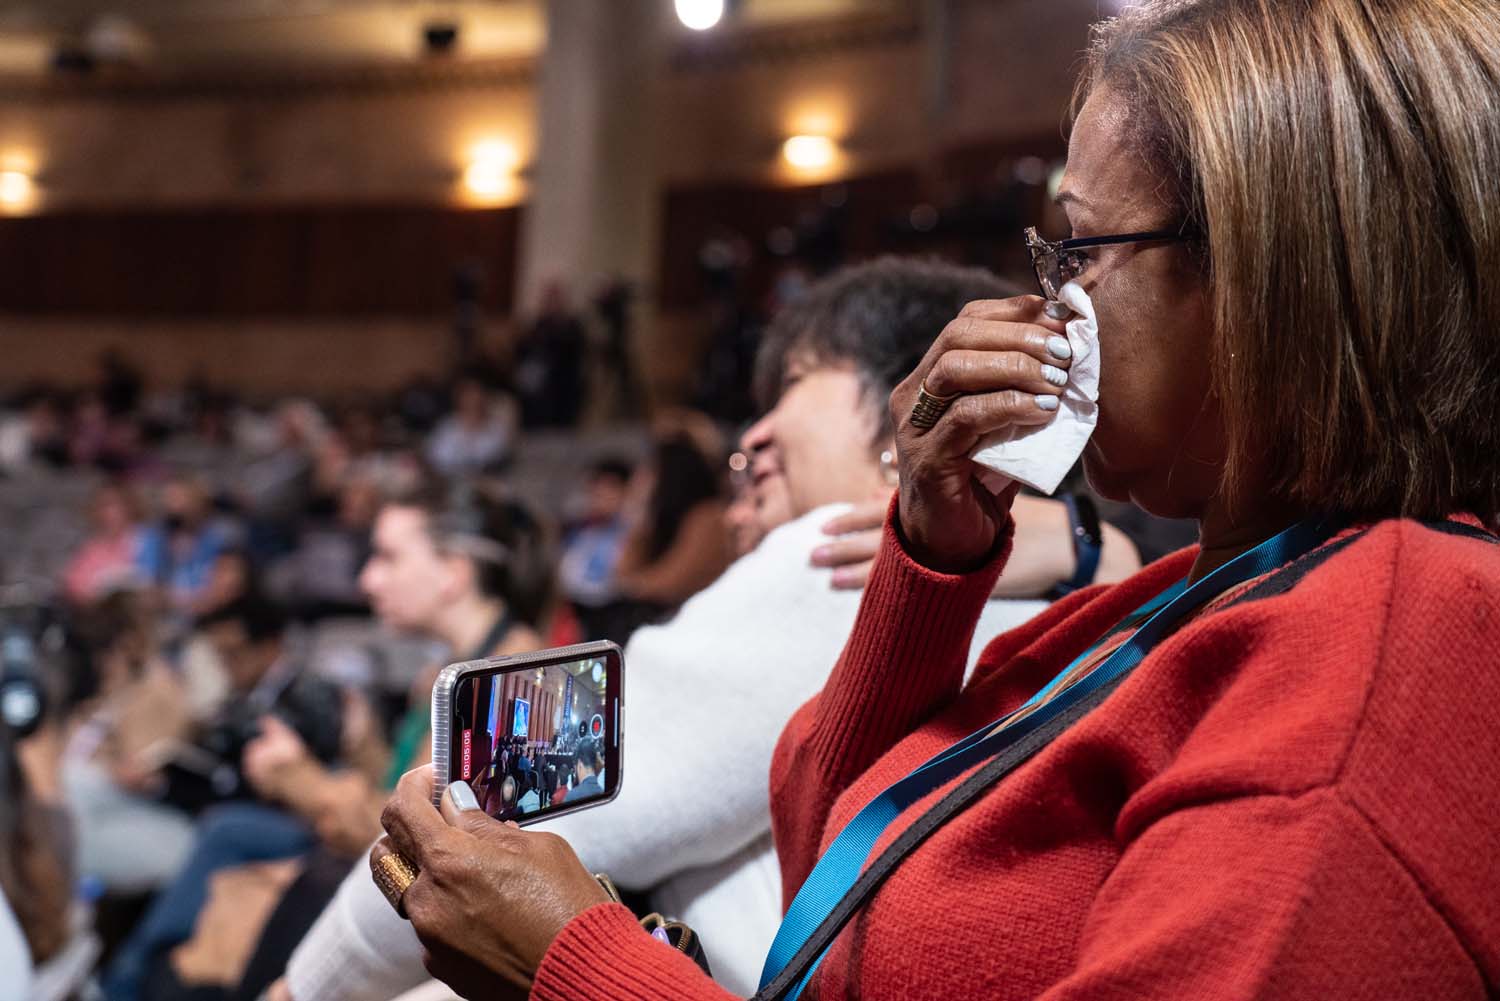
(1101, 241)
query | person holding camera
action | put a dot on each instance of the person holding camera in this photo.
(269, 694)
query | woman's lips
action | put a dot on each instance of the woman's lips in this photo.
(759, 473)
(761, 481)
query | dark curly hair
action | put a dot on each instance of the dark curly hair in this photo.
(880, 317)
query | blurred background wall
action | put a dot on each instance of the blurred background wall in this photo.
(307, 195)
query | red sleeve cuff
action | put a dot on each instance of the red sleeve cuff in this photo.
(604, 953)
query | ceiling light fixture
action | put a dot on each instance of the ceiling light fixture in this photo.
(809, 153)
(700, 15)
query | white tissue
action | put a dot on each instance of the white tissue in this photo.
(1041, 456)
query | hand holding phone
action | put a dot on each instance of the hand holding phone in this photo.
(535, 735)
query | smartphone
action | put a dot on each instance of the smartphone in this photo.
(536, 735)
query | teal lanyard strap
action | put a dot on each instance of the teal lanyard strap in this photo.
(840, 866)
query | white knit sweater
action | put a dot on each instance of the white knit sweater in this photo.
(15, 957)
(706, 698)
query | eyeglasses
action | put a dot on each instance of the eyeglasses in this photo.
(1059, 262)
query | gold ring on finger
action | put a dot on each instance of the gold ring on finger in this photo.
(929, 408)
(394, 874)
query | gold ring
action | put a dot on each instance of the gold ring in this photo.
(930, 408)
(394, 875)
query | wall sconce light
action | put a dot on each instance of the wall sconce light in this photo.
(809, 153)
(491, 173)
(17, 190)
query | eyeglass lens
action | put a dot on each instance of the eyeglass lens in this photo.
(1054, 266)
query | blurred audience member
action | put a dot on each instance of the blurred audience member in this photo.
(38, 436)
(477, 437)
(321, 577)
(118, 384)
(592, 546)
(106, 561)
(276, 487)
(264, 682)
(179, 550)
(127, 839)
(89, 439)
(679, 543)
(550, 364)
(468, 569)
(420, 404)
(612, 303)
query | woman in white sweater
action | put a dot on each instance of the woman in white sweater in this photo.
(710, 690)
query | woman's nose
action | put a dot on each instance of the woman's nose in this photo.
(757, 436)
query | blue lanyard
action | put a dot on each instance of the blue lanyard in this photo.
(840, 866)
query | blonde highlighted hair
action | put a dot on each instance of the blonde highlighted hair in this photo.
(1342, 160)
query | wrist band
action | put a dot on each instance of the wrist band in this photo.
(1088, 541)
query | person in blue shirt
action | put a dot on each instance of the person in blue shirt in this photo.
(178, 552)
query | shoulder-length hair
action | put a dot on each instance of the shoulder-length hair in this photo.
(1341, 159)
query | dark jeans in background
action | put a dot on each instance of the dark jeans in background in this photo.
(229, 835)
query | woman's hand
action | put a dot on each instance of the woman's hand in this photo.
(1041, 556)
(851, 553)
(345, 811)
(490, 898)
(1007, 359)
(270, 754)
(1040, 559)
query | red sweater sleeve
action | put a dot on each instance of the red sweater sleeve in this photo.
(603, 953)
(904, 660)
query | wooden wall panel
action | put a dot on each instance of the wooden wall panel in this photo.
(286, 262)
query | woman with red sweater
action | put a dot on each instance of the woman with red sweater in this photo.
(1266, 767)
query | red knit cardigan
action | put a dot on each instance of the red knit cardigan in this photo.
(1294, 798)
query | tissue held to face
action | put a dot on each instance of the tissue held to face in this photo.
(816, 445)
(1159, 441)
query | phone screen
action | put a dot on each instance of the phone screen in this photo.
(541, 738)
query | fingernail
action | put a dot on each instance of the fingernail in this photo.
(821, 554)
(1059, 347)
(1058, 310)
(1047, 402)
(462, 796)
(1054, 375)
(842, 578)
